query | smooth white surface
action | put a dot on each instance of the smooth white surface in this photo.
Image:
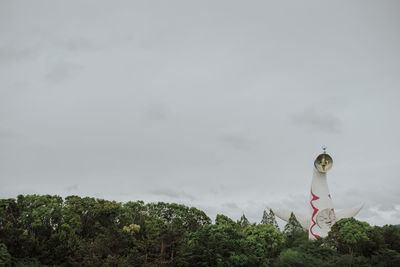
(322, 215)
(347, 213)
(302, 218)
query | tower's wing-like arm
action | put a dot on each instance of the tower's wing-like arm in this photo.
(347, 213)
(282, 214)
(302, 218)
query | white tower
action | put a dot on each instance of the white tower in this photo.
(322, 215)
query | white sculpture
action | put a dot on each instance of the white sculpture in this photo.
(322, 214)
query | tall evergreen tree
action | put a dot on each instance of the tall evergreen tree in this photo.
(293, 227)
(269, 219)
(243, 222)
(5, 257)
(293, 231)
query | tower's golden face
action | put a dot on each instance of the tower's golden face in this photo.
(323, 163)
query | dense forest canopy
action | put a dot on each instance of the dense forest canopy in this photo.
(45, 230)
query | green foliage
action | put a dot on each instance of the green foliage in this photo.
(349, 235)
(243, 222)
(5, 257)
(47, 230)
(293, 226)
(265, 240)
(293, 231)
(217, 245)
(224, 220)
(44, 230)
(269, 218)
(292, 257)
(317, 253)
(386, 258)
(132, 228)
(31, 262)
(391, 237)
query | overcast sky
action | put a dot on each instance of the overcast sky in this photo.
(222, 105)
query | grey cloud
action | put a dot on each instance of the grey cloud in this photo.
(208, 107)
(368, 212)
(10, 53)
(230, 205)
(387, 206)
(156, 112)
(236, 141)
(72, 188)
(293, 202)
(62, 71)
(380, 204)
(76, 44)
(13, 51)
(172, 193)
(318, 120)
(380, 216)
(385, 198)
(6, 133)
(218, 189)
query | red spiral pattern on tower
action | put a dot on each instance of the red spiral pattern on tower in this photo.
(314, 197)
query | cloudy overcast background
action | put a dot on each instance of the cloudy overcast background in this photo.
(222, 105)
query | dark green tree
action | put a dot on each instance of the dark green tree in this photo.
(386, 258)
(293, 226)
(265, 240)
(391, 236)
(269, 219)
(243, 222)
(44, 230)
(218, 245)
(5, 257)
(349, 235)
(293, 231)
(225, 220)
(291, 257)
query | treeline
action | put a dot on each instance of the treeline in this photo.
(48, 230)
